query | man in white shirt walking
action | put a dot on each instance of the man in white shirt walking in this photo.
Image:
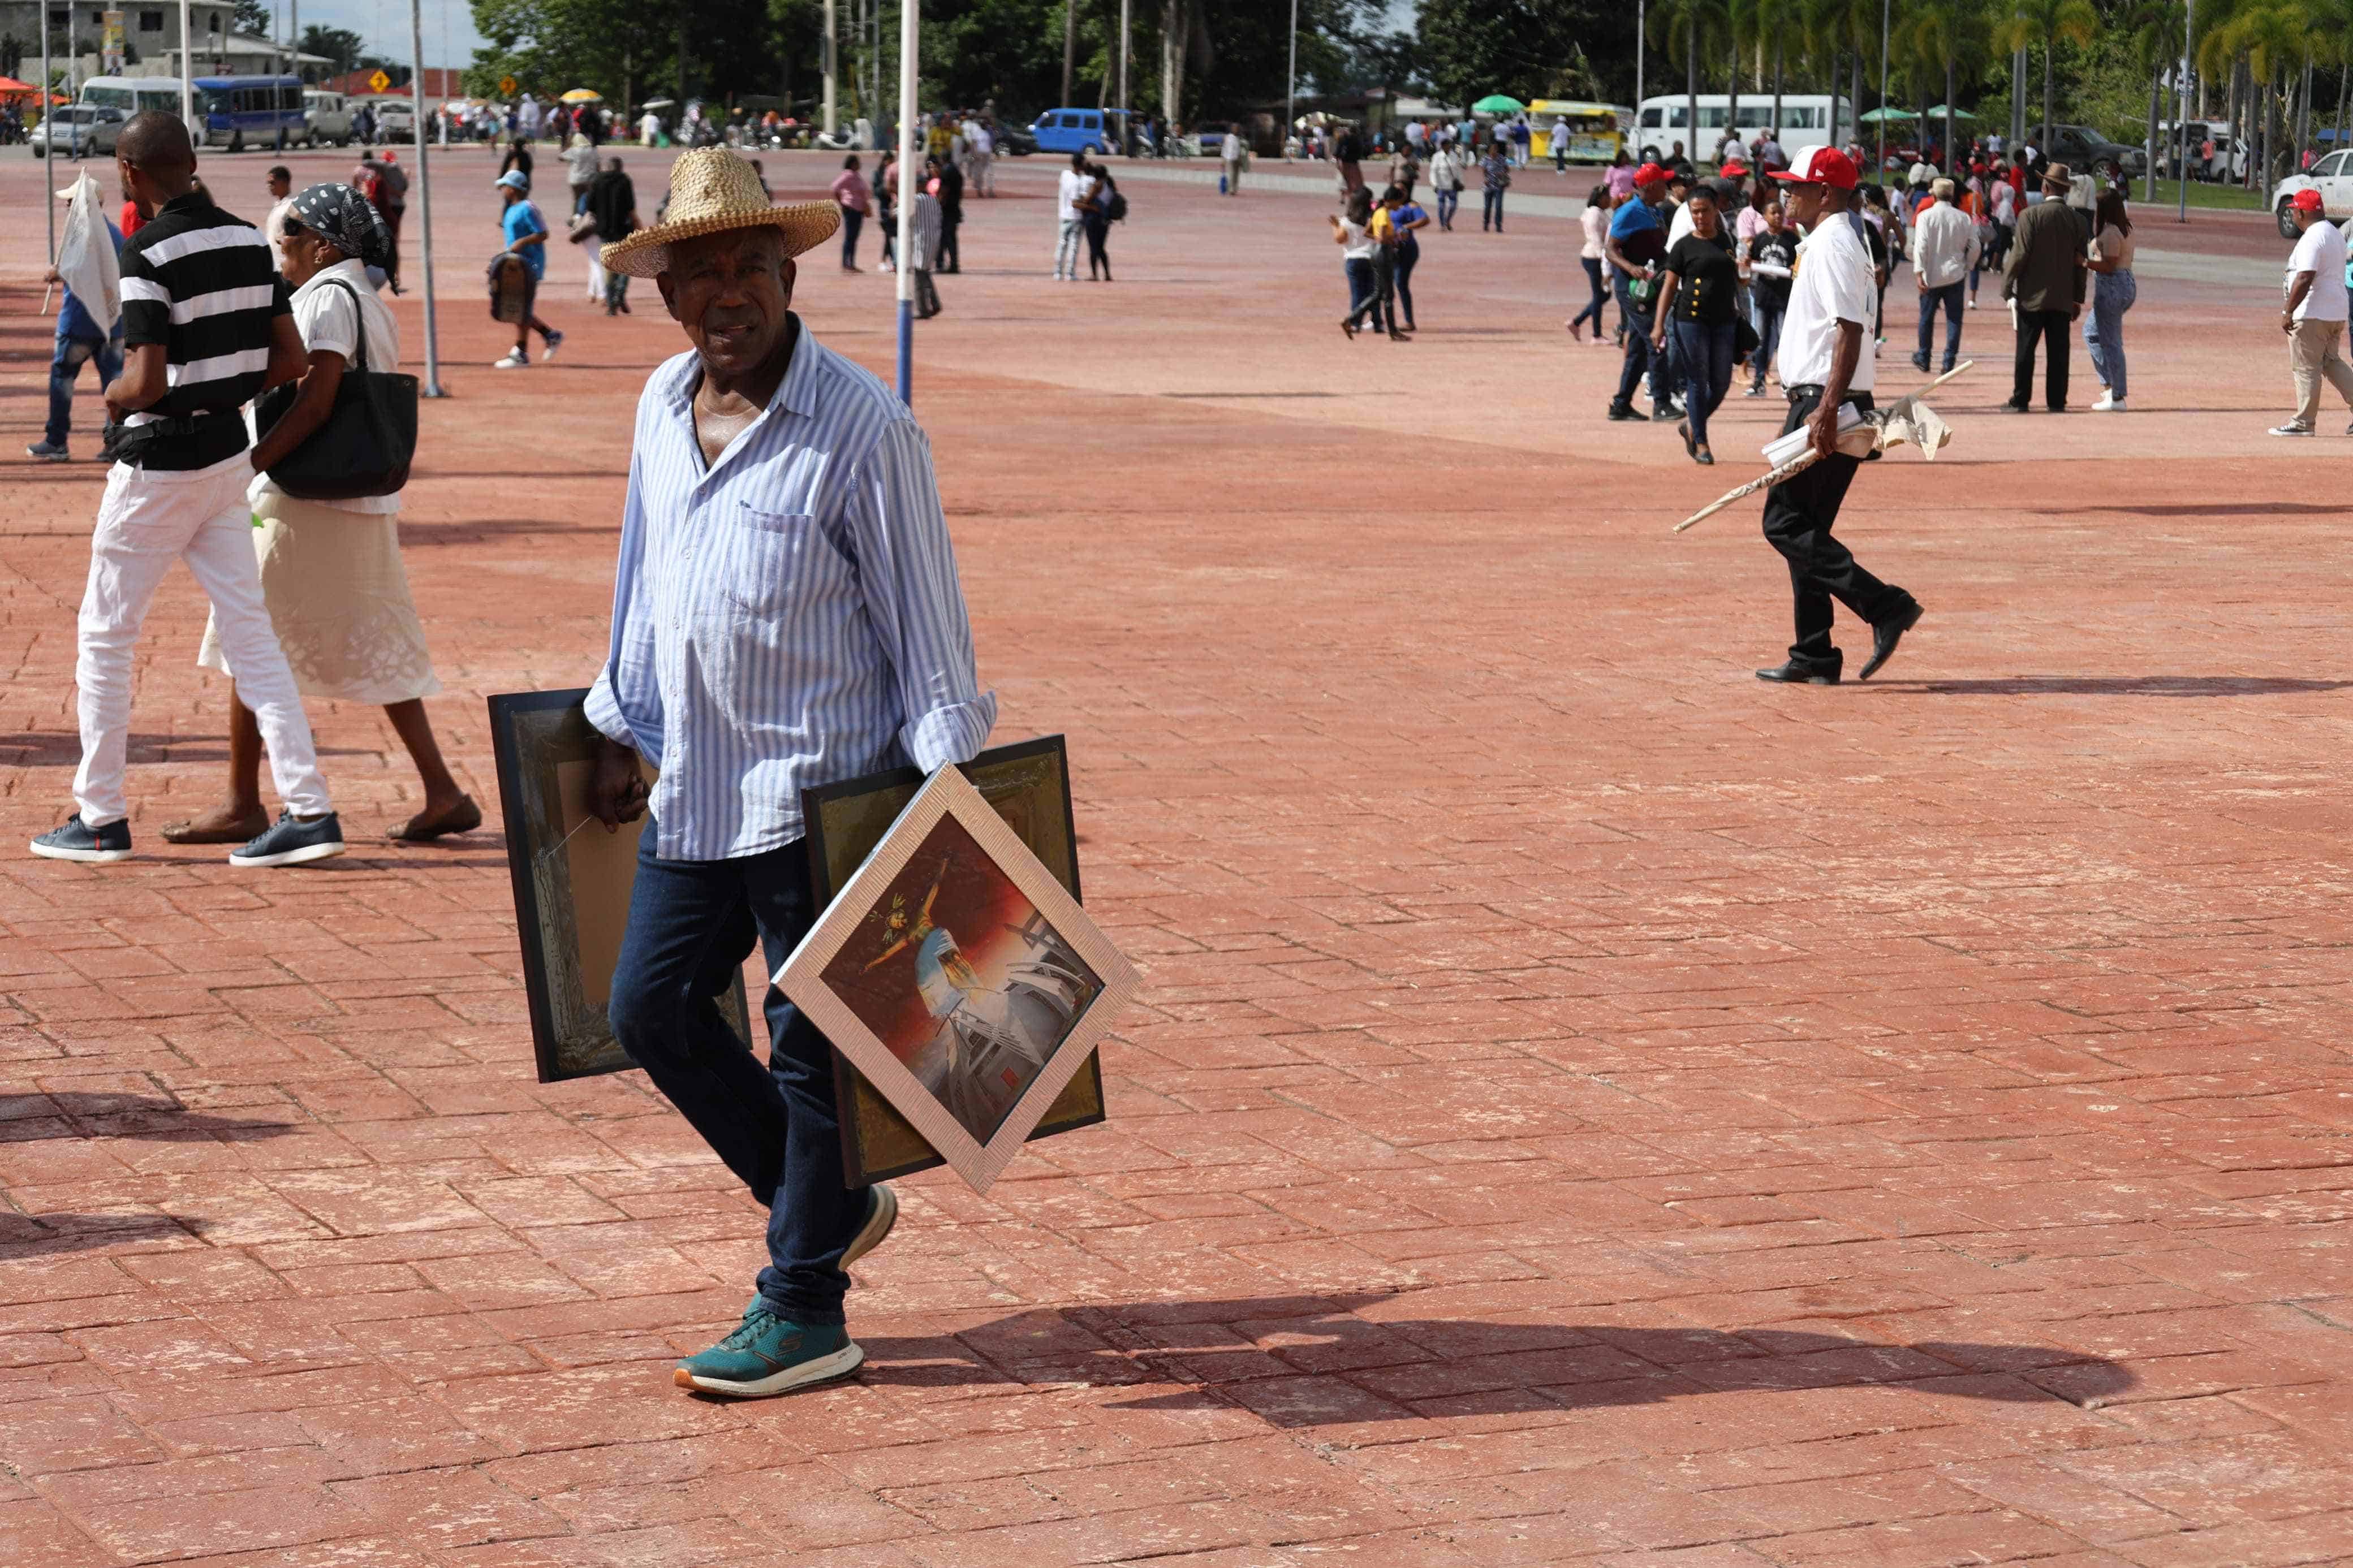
(1231, 150)
(1072, 192)
(1944, 245)
(2314, 312)
(1832, 302)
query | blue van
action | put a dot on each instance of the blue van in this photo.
(1077, 131)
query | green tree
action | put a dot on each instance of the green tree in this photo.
(2044, 25)
(253, 17)
(338, 45)
(1947, 41)
(1495, 45)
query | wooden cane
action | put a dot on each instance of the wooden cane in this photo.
(1799, 463)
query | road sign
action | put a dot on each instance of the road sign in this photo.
(507, 86)
(379, 81)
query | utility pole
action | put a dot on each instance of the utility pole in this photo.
(2182, 115)
(1127, 120)
(908, 187)
(432, 387)
(187, 70)
(1641, 41)
(1883, 7)
(1291, 84)
(294, 27)
(1070, 43)
(827, 56)
(48, 204)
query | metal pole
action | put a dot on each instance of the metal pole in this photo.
(909, 183)
(2182, 115)
(828, 58)
(49, 131)
(1642, 30)
(1883, 7)
(294, 25)
(187, 70)
(1290, 83)
(432, 387)
(1126, 121)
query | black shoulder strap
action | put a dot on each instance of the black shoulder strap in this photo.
(359, 324)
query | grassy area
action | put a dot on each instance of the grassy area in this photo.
(2221, 199)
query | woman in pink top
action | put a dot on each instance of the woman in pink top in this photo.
(1596, 221)
(1619, 177)
(857, 201)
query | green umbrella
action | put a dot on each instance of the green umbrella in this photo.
(1889, 115)
(1497, 103)
(1938, 113)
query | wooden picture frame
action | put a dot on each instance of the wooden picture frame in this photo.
(572, 883)
(1029, 783)
(960, 978)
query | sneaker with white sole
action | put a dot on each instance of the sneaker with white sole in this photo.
(516, 359)
(290, 841)
(767, 1355)
(95, 845)
(881, 1214)
(2107, 400)
(2291, 429)
(48, 452)
(554, 341)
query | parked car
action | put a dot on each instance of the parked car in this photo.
(395, 119)
(2332, 177)
(1077, 131)
(327, 116)
(77, 131)
(2232, 153)
(2082, 147)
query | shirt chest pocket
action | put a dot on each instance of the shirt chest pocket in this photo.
(775, 559)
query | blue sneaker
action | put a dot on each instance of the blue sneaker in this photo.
(72, 841)
(767, 1356)
(290, 842)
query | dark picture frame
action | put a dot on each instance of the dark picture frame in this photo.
(572, 883)
(1028, 784)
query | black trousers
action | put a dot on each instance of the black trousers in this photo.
(1798, 513)
(2051, 326)
(948, 227)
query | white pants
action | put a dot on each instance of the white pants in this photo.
(149, 520)
(591, 250)
(1065, 252)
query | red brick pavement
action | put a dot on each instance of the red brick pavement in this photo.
(1585, 1108)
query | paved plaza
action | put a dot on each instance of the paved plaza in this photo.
(1584, 1106)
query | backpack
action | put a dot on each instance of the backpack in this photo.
(1116, 211)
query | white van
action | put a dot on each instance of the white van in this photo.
(327, 116)
(1804, 117)
(133, 95)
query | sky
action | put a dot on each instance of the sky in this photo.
(449, 36)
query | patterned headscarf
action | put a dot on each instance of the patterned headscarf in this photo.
(344, 219)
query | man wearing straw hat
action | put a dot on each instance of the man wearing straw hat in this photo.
(785, 613)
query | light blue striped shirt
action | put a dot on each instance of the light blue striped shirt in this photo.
(788, 616)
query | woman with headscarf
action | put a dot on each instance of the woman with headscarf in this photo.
(330, 570)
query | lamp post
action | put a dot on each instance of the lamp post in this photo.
(432, 387)
(909, 185)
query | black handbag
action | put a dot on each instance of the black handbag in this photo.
(369, 438)
(1744, 341)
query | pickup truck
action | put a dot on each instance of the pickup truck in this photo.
(327, 116)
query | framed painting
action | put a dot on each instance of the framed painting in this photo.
(572, 883)
(959, 978)
(1028, 784)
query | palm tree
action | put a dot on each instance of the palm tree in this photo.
(2274, 38)
(1845, 30)
(1777, 19)
(1945, 37)
(2153, 30)
(2044, 25)
(1689, 25)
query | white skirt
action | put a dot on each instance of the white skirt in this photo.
(339, 599)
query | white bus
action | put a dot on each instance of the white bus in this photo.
(1804, 117)
(132, 94)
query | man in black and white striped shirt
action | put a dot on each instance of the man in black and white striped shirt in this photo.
(206, 327)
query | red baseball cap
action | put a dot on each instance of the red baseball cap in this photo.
(1734, 171)
(2308, 201)
(1650, 175)
(1820, 166)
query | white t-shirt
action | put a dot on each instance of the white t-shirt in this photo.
(2320, 250)
(1075, 186)
(984, 141)
(1229, 147)
(1680, 226)
(1359, 244)
(322, 314)
(1834, 282)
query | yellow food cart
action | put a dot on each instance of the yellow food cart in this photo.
(1595, 129)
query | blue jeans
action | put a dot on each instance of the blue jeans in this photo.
(1766, 319)
(1492, 209)
(1951, 298)
(1600, 298)
(1447, 202)
(691, 924)
(2113, 294)
(65, 368)
(1705, 349)
(1364, 287)
(1640, 358)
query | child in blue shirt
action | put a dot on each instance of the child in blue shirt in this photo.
(526, 238)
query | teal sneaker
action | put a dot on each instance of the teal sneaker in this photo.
(766, 1356)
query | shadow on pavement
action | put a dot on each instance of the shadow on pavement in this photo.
(1304, 1362)
(24, 1237)
(26, 1117)
(2119, 686)
(62, 749)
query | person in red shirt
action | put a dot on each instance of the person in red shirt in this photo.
(131, 218)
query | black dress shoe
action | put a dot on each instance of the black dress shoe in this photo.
(1886, 634)
(1799, 675)
(1623, 411)
(2016, 408)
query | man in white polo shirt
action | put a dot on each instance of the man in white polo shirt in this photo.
(1833, 298)
(2313, 312)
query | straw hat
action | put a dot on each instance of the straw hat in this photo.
(712, 189)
